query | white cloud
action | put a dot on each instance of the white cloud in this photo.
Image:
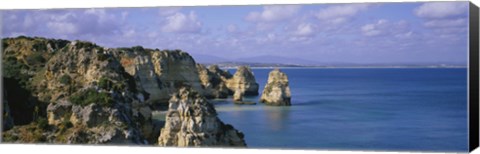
(83, 24)
(384, 27)
(63, 24)
(340, 13)
(446, 23)
(441, 9)
(182, 23)
(374, 29)
(444, 18)
(273, 13)
(64, 28)
(304, 29)
(405, 35)
(166, 11)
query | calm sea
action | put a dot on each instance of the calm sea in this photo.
(359, 109)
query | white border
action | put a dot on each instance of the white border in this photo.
(71, 149)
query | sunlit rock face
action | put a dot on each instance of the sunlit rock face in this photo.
(212, 83)
(243, 81)
(192, 121)
(277, 90)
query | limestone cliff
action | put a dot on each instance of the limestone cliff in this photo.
(277, 90)
(138, 63)
(79, 92)
(243, 81)
(90, 97)
(159, 73)
(212, 83)
(192, 121)
(219, 73)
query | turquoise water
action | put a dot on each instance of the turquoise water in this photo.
(359, 109)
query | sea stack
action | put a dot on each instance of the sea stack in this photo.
(192, 121)
(243, 81)
(276, 91)
(237, 96)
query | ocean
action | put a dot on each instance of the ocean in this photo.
(380, 109)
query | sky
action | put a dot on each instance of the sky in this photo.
(356, 33)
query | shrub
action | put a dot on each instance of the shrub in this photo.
(42, 123)
(81, 44)
(102, 56)
(91, 96)
(39, 46)
(65, 79)
(67, 123)
(105, 83)
(64, 125)
(118, 87)
(23, 37)
(137, 48)
(100, 50)
(9, 137)
(4, 45)
(35, 59)
(11, 67)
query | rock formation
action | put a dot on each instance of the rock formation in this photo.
(212, 82)
(238, 96)
(219, 73)
(277, 90)
(78, 92)
(243, 81)
(192, 121)
(140, 66)
(159, 73)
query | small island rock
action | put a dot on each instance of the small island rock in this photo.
(243, 81)
(277, 90)
(237, 96)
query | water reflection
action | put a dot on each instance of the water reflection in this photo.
(277, 118)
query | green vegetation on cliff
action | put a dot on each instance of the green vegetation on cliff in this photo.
(91, 96)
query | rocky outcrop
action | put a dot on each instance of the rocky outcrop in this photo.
(212, 82)
(219, 73)
(238, 96)
(277, 90)
(243, 81)
(161, 73)
(78, 92)
(140, 66)
(192, 121)
(176, 69)
(93, 124)
(89, 96)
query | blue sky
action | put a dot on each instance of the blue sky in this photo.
(363, 33)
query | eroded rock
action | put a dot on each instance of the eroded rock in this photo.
(192, 121)
(243, 81)
(212, 82)
(277, 90)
